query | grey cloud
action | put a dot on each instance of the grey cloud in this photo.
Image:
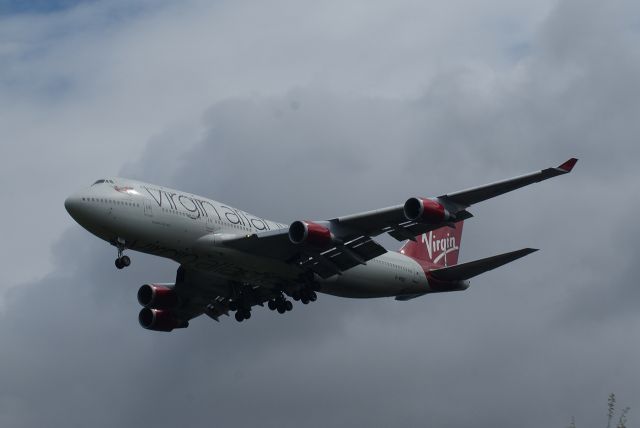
(531, 344)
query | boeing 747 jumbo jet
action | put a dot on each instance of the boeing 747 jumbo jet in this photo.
(231, 260)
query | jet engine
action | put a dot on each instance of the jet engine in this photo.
(424, 210)
(158, 296)
(307, 232)
(159, 320)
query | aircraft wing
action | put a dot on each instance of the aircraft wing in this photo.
(393, 220)
(347, 240)
(468, 197)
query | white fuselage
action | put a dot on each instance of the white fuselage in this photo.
(190, 229)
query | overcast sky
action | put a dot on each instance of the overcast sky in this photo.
(303, 109)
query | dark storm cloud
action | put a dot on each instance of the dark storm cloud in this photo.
(533, 343)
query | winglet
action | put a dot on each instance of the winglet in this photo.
(568, 165)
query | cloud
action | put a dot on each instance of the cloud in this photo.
(545, 338)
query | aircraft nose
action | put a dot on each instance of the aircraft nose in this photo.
(72, 204)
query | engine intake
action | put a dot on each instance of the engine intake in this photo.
(159, 320)
(155, 296)
(424, 210)
(307, 232)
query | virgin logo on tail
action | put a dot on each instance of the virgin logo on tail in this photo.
(444, 245)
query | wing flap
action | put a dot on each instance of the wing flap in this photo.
(343, 257)
(410, 230)
(468, 270)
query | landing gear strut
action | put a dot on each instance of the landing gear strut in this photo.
(122, 261)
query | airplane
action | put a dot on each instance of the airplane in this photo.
(231, 261)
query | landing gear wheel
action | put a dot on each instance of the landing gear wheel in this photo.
(122, 261)
(288, 305)
(296, 296)
(246, 314)
(282, 309)
(272, 305)
(304, 300)
(239, 316)
(313, 296)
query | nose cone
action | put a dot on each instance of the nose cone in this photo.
(72, 205)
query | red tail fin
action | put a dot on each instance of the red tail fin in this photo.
(440, 246)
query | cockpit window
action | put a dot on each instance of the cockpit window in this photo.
(102, 181)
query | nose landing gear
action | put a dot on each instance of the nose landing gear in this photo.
(122, 261)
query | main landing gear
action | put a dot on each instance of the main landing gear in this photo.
(280, 304)
(305, 296)
(243, 312)
(122, 261)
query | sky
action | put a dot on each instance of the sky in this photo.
(295, 110)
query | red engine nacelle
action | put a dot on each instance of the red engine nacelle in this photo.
(424, 210)
(156, 296)
(307, 232)
(159, 320)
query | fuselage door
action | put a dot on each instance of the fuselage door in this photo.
(148, 209)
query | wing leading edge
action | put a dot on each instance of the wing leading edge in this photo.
(468, 197)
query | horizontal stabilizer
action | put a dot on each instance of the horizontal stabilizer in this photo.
(405, 297)
(470, 269)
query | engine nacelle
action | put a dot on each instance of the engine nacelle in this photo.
(424, 210)
(156, 296)
(307, 232)
(159, 320)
